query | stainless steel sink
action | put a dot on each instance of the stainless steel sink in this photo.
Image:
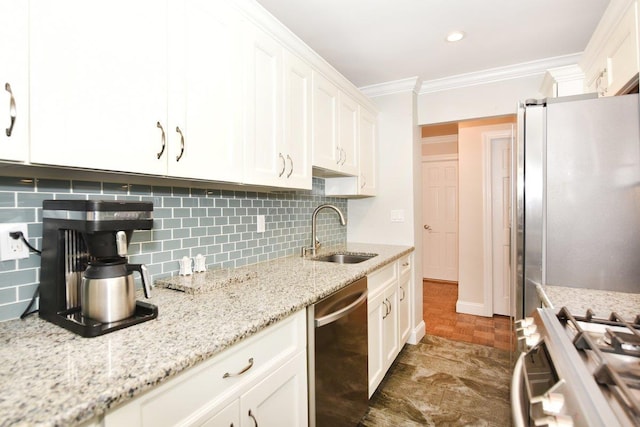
(345, 258)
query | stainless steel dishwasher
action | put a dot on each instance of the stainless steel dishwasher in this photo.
(338, 357)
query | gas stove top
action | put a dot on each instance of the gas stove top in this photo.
(577, 370)
(610, 348)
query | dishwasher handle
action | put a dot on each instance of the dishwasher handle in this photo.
(339, 314)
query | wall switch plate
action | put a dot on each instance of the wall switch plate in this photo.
(11, 248)
(260, 225)
(397, 215)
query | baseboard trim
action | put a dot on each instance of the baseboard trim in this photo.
(474, 308)
(417, 334)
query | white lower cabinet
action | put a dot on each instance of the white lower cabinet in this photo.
(389, 316)
(263, 378)
(405, 268)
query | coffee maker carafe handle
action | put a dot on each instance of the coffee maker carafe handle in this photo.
(144, 273)
(121, 243)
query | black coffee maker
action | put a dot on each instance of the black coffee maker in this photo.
(86, 282)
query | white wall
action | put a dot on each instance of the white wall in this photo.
(398, 188)
(472, 102)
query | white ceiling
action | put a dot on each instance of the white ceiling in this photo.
(377, 41)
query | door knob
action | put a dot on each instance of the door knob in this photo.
(427, 227)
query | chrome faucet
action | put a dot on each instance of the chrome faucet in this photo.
(315, 244)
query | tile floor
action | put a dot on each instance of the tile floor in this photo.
(458, 375)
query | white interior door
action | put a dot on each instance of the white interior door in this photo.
(500, 230)
(440, 220)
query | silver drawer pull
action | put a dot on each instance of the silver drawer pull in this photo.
(245, 369)
(179, 156)
(291, 171)
(12, 110)
(164, 139)
(406, 264)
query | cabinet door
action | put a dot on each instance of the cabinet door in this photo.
(227, 417)
(14, 80)
(367, 177)
(377, 311)
(280, 399)
(324, 123)
(98, 84)
(205, 77)
(404, 308)
(622, 54)
(348, 135)
(391, 328)
(297, 122)
(265, 163)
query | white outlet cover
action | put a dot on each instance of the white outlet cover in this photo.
(260, 224)
(11, 248)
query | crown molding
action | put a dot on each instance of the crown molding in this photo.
(493, 75)
(397, 86)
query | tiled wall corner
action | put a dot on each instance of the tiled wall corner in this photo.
(218, 224)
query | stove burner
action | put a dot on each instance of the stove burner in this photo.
(622, 342)
(615, 345)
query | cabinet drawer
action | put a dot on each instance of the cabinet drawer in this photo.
(382, 277)
(193, 394)
(404, 264)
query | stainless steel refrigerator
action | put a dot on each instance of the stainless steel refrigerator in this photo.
(576, 219)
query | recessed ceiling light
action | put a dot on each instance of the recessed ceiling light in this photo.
(455, 36)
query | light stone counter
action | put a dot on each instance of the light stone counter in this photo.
(50, 376)
(603, 303)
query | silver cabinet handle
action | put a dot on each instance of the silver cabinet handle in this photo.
(339, 155)
(389, 305)
(364, 181)
(164, 139)
(253, 418)
(242, 371)
(405, 264)
(284, 165)
(12, 109)
(345, 156)
(179, 156)
(403, 293)
(291, 161)
(387, 310)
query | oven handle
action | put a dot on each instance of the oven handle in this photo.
(516, 391)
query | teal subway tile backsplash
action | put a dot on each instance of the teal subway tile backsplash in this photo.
(219, 224)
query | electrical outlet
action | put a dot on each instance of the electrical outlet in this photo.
(11, 248)
(260, 224)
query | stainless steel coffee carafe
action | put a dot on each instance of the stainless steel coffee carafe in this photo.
(108, 292)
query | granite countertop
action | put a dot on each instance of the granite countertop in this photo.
(603, 303)
(51, 376)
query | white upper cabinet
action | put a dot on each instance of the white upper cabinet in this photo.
(277, 114)
(611, 60)
(264, 160)
(348, 146)
(335, 129)
(368, 135)
(14, 73)
(325, 123)
(205, 87)
(364, 184)
(195, 89)
(98, 84)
